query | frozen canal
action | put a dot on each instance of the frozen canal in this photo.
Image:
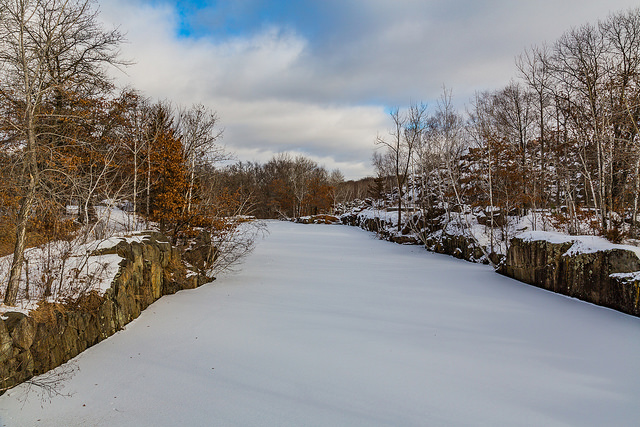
(326, 326)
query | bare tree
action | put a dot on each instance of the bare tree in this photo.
(199, 131)
(338, 193)
(533, 66)
(482, 131)
(383, 164)
(47, 48)
(446, 134)
(405, 137)
(622, 35)
(578, 65)
(133, 138)
(300, 177)
(514, 114)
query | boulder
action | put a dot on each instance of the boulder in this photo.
(6, 343)
(22, 329)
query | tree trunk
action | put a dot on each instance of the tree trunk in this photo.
(399, 182)
(191, 184)
(25, 210)
(18, 252)
(135, 184)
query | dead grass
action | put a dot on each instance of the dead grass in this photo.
(89, 302)
(37, 234)
(47, 312)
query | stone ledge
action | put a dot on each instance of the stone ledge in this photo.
(593, 275)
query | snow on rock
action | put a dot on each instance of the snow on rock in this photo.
(627, 277)
(68, 267)
(547, 236)
(53, 334)
(581, 244)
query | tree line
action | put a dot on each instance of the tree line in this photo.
(283, 187)
(561, 137)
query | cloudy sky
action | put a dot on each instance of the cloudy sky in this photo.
(318, 77)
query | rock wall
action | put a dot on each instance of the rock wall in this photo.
(380, 227)
(434, 238)
(461, 247)
(602, 277)
(55, 333)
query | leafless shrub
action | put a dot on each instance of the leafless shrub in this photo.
(233, 244)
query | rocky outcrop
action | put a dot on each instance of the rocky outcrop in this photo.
(431, 235)
(376, 225)
(380, 227)
(317, 219)
(55, 333)
(605, 276)
(459, 246)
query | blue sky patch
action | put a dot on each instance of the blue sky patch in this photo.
(228, 18)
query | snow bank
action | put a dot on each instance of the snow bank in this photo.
(548, 236)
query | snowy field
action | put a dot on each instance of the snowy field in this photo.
(326, 326)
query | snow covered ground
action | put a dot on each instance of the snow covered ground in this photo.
(328, 326)
(69, 265)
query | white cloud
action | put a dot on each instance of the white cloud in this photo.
(344, 133)
(245, 79)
